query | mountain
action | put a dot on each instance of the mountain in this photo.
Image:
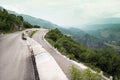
(40, 22)
(36, 21)
(108, 33)
(106, 30)
(83, 37)
(112, 20)
(93, 27)
(101, 23)
(1, 8)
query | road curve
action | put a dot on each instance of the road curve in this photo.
(62, 62)
(15, 60)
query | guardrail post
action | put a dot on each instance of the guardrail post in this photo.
(111, 78)
(33, 61)
(101, 74)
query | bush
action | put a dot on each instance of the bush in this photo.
(27, 25)
(77, 74)
(36, 26)
(33, 32)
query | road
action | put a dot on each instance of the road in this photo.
(15, 60)
(113, 46)
(62, 62)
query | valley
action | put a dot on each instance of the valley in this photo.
(95, 45)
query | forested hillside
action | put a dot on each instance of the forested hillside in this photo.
(10, 22)
(104, 59)
(109, 34)
(83, 37)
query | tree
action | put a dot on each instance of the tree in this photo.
(36, 26)
(27, 25)
(77, 74)
(21, 18)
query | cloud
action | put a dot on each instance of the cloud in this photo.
(66, 12)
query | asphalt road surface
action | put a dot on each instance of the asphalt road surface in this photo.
(15, 60)
(62, 62)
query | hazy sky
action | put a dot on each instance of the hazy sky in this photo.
(65, 12)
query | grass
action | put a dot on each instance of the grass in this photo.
(77, 74)
(33, 32)
(50, 41)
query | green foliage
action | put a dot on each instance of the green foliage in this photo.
(54, 35)
(107, 32)
(77, 74)
(82, 37)
(105, 59)
(36, 26)
(27, 25)
(10, 22)
(21, 18)
(33, 32)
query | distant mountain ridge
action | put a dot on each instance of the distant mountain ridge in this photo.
(36, 21)
(107, 33)
(1, 8)
(40, 22)
(99, 26)
(83, 37)
(112, 20)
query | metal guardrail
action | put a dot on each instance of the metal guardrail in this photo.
(104, 77)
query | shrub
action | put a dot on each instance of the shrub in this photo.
(77, 74)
